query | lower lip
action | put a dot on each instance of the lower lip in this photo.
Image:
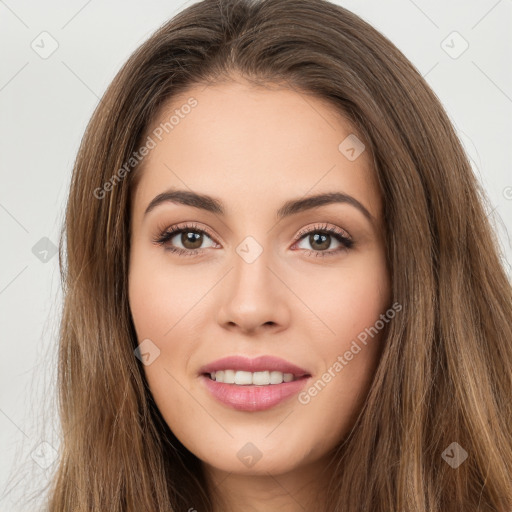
(253, 398)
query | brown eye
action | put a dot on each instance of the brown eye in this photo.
(321, 238)
(320, 242)
(191, 239)
(184, 240)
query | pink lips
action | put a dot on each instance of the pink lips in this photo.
(252, 397)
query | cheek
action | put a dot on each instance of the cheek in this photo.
(348, 306)
(161, 304)
(167, 306)
(161, 296)
(345, 300)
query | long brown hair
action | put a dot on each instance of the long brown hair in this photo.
(445, 375)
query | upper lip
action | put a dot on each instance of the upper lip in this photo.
(257, 364)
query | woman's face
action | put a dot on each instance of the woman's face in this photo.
(262, 272)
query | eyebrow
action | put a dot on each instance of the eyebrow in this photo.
(291, 207)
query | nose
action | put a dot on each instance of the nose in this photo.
(253, 297)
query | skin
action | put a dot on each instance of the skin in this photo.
(253, 148)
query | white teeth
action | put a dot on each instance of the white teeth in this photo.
(244, 378)
(263, 378)
(229, 376)
(247, 378)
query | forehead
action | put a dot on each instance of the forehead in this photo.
(247, 144)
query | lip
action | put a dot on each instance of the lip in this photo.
(253, 398)
(257, 364)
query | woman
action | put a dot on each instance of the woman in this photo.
(282, 289)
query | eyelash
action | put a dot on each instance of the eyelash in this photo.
(168, 234)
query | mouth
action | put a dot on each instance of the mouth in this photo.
(249, 396)
(252, 384)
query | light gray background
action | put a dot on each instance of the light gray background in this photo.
(45, 105)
